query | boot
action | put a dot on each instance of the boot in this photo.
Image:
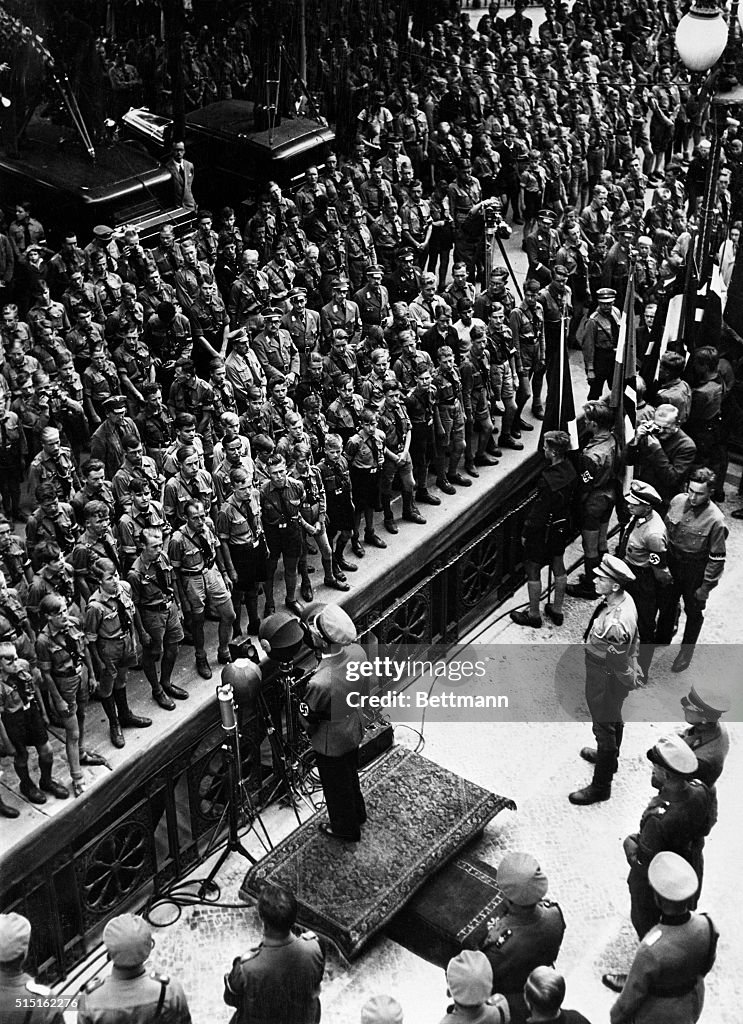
(599, 788)
(469, 468)
(340, 560)
(254, 623)
(48, 784)
(409, 511)
(6, 811)
(330, 579)
(202, 665)
(114, 728)
(585, 589)
(306, 588)
(127, 719)
(389, 518)
(683, 658)
(373, 539)
(424, 496)
(28, 787)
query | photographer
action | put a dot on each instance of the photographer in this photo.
(662, 453)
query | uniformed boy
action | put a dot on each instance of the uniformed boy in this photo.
(110, 623)
(448, 421)
(154, 594)
(67, 671)
(469, 982)
(201, 577)
(314, 513)
(341, 514)
(22, 725)
(395, 424)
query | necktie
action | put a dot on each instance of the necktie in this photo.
(624, 539)
(162, 581)
(110, 552)
(600, 607)
(125, 620)
(206, 550)
(26, 235)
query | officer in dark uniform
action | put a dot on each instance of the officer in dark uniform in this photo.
(611, 640)
(643, 545)
(275, 348)
(600, 343)
(541, 247)
(373, 300)
(448, 421)
(340, 314)
(134, 992)
(154, 593)
(706, 734)
(107, 442)
(420, 407)
(678, 819)
(335, 727)
(596, 470)
(21, 998)
(666, 979)
(529, 933)
(277, 981)
(109, 623)
(281, 498)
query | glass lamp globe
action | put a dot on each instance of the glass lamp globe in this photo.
(701, 36)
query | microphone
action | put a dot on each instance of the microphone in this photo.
(225, 698)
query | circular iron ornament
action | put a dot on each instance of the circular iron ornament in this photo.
(409, 623)
(116, 867)
(479, 570)
(213, 789)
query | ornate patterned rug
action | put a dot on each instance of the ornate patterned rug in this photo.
(420, 816)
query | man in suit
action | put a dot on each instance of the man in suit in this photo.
(182, 173)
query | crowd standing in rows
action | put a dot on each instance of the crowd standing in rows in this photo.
(183, 418)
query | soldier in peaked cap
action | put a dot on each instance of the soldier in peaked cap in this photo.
(133, 993)
(381, 1010)
(331, 714)
(643, 545)
(469, 979)
(600, 342)
(611, 640)
(706, 735)
(278, 981)
(21, 997)
(676, 820)
(665, 984)
(529, 933)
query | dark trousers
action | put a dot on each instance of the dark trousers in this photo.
(342, 791)
(648, 595)
(421, 452)
(603, 369)
(644, 911)
(605, 696)
(688, 575)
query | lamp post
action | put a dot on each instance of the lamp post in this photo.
(706, 43)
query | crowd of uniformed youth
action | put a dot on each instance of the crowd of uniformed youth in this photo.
(182, 418)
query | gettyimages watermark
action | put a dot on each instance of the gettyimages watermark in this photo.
(526, 683)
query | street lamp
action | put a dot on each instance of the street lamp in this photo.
(706, 44)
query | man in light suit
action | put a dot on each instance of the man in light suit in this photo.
(181, 171)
